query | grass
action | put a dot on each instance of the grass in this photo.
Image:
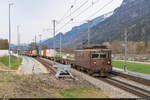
(15, 62)
(81, 93)
(136, 67)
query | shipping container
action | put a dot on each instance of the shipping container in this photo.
(51, 52)
(44, 52)
(38, 52)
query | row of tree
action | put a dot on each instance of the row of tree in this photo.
(4, 44)
(132, 47)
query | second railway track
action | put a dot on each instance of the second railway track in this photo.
(133, 78)
(127, 87)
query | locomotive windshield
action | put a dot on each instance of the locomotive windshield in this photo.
(102, 55)
(95, 55)
(99, 55)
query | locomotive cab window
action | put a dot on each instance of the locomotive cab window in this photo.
(95, 55)
(103, 55)
(99, 55)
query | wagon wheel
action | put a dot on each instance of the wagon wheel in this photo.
(72, 66)
(78, 68)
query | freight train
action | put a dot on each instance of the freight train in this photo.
(95, 60)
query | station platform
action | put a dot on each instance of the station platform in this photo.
(31, 66)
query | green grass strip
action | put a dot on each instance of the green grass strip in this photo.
(82, 93)
(131, 66)
(15, 62)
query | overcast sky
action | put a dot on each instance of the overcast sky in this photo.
(35, 16)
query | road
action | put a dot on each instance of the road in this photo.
(135, 62)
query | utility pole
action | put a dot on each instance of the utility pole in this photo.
(40, 35)
(125, 51)
(18, 35)
(10, 4)
(88, 32)
(35, 42)
(54, 22)
(60, 45)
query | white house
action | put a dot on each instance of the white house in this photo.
(3, 52)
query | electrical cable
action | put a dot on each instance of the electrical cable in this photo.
(101, 8)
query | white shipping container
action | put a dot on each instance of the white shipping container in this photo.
(51, 52)
(42, 52)
(33, 52)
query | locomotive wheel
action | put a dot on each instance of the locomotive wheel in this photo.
(78, 68)
(90, 72)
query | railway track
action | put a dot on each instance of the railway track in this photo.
(140, 92)
(133, 78)
(47, 65)
(122, 85)
(127, 87)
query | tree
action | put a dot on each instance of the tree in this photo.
(117, 47)
(4, 44)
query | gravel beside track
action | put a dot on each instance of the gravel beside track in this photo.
(106, 88)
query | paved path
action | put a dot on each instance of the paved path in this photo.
(146, 76)
(135, 62)
(30, 66)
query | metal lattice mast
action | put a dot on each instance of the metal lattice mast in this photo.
(18, 35)
(88, 32)
(125, 51)
(40, 35)
(54, 21)
(60, 44)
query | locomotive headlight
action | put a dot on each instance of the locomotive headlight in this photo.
(95, 62)
(108, 62)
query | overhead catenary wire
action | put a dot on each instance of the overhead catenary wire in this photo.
(101, 8)
(75, 16)
(73, 11)
(82, 13)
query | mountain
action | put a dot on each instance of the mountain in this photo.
(132, 16)
(68, 37)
